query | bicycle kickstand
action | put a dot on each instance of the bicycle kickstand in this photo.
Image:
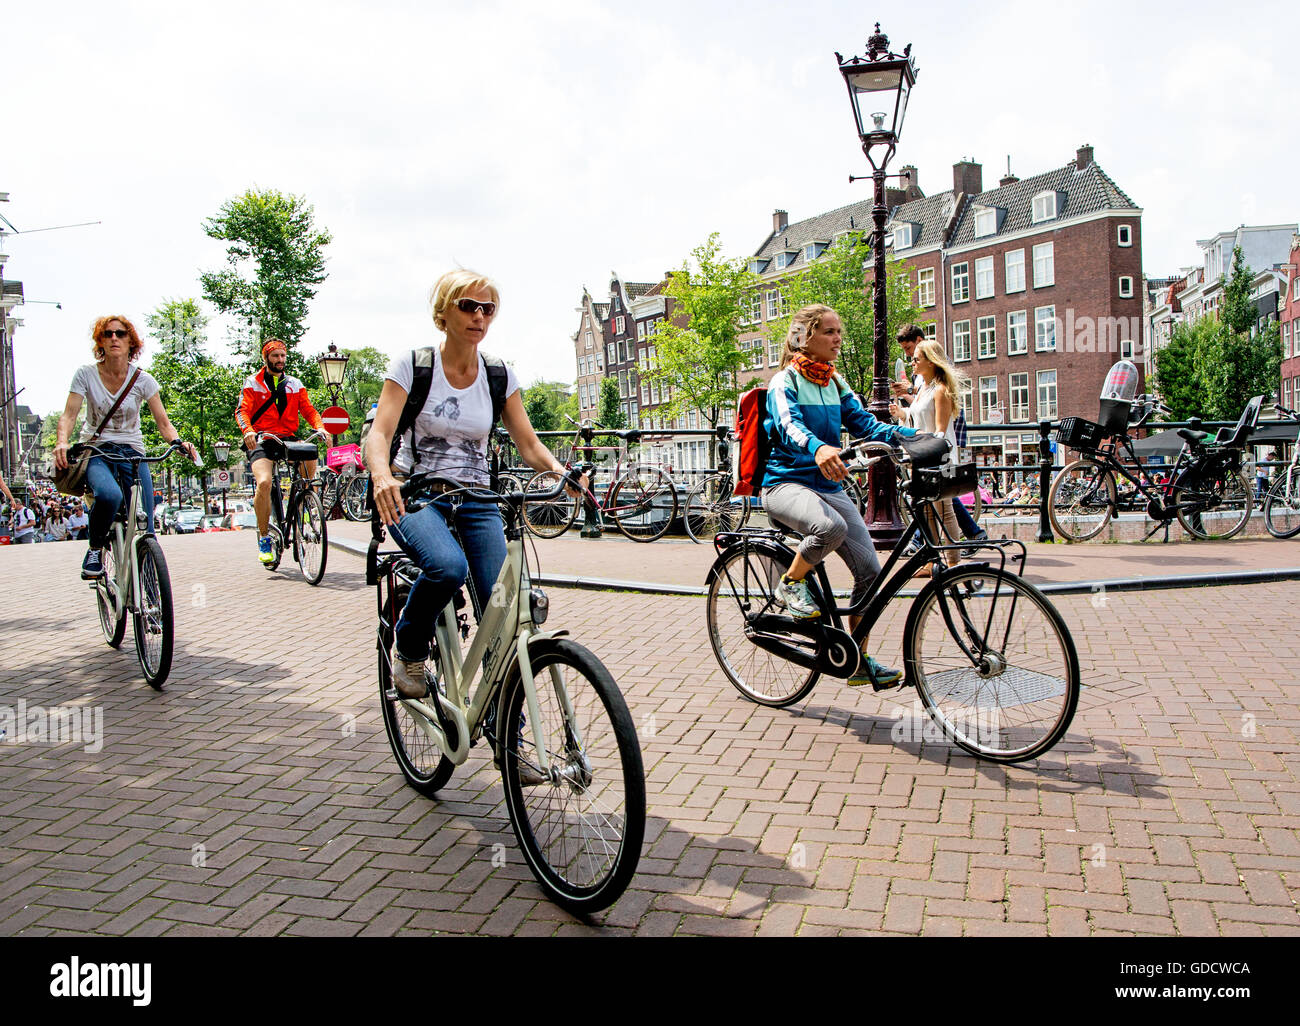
(1159, 524)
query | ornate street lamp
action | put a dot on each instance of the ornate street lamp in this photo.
(879, 85)
(333, 365)
(221, 450)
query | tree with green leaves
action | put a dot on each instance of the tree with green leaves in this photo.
(363, 380)
(274, 266)
(1238, 312)
(1233, 367)
(609, 412)
(547, 403)
(838, 280)
(698, 364)
(1177, 380)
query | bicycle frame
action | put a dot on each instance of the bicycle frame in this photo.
(501, 641)
(123, 589)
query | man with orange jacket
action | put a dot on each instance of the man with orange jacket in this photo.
(271, 403)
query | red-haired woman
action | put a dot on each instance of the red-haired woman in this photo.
(98, 385)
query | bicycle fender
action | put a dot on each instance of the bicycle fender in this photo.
(759, 544)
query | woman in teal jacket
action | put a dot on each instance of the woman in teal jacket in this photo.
(807, 405)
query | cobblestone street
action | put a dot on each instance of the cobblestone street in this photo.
(257, 794)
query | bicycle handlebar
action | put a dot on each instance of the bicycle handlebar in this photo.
(415, 487)
(172, 447)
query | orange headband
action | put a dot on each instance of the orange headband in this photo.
(273, 343)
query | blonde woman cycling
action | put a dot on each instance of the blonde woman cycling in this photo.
(934, 409)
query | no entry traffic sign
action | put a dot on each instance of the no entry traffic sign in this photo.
(336, 420)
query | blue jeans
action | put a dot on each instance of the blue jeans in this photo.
(426, 538)
(110, 480)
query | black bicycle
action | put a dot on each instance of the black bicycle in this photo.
(991, 659)
(1205, 490)
(300, 525)
(712, 505)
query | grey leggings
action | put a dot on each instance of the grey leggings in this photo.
(829, 522)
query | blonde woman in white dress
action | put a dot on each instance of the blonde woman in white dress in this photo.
(934, 409)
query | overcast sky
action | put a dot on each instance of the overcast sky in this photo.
(548, 144)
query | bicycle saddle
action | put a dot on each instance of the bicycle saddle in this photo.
(300, 452)
(925, 451)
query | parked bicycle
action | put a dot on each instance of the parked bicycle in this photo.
(1282, 503)
(991, 659)
(347, 486)
(711, 505)
(135, 578)
(1205, 490)
(567, 750)
(641, 500)
(299, 526)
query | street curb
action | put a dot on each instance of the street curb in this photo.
(1048, 588)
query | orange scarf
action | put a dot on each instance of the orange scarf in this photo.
(814, 370)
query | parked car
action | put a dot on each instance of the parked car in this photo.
(243, 521)
(187, 520)
(214, 522)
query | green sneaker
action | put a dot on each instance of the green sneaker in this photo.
(796, 598)
(876, 674)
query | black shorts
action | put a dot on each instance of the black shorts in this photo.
(260, 453)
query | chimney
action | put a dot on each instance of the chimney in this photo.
(967, 177)
(1008, 178)
(780, 221)
(1083, 157)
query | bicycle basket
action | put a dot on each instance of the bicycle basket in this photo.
(1077, 433)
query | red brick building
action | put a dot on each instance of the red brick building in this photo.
(1288, 316)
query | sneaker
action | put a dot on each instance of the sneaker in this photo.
(92, 567)
(876, 674)
(264, 550)
(408, 677)
(983, 536)
(796, 598)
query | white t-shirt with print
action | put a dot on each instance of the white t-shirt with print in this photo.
(452, 428)
(125, 424)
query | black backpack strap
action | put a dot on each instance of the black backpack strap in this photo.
(498, 380)
(278, 392)
(421, 382)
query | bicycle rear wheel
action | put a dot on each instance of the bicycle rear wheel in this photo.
(354, 498)
(114, 627)
(742, 585)
(1081, 500)
(310, 539)
(993, 663)
(1282, 505)
(581, 829)
(329, 488)
(551, 518)
(643, 503)
(711, 508)
(1220, 506)
(153, 623)
(422, 763)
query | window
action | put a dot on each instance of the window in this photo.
(654, 393)
(756, 359)
(645, 394)
(1047, 395)
(925, 286)
(903, 236)
(640, 330)
(774, 352)
(1286, 392)
(1044, 265)
(1015, 261)
(931, 331)
(773, 303)
(984, 278)
(1126, 349)
(960, 282)
(622, 351)
(1017, 333)
(622, 384)
(986, 222)
(784, 259)
(965, 389)
(600, 362)
(610, 348)
(1019, 396)
(753, 308)
(1125, 287)
(1286, 344)
(633, 415)
(588, 340)
(987, 336)
(1124, 235)
(961, 340)
(1045, 329)
(619, 323)
(988, 398)
(757, 266)
(810, 252)
(1044, 206)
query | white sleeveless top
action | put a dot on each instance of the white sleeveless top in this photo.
(923, 417)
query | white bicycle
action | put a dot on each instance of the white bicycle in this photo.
(567, 750)
(136, 579)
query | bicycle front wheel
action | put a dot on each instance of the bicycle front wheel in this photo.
(154, 627)
(1081, 500)
(643, 504)
(311, 542)
(354, 498)
(711, 509)
(114, 627)
(581, 828)
(993, 663)
(742, 587)
(551, 518)
(329, 489)
(1282, 505)
(1214, 505)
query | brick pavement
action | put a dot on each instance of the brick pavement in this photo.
(257, 794)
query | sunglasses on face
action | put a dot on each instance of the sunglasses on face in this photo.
(116, 333)
(470, 306)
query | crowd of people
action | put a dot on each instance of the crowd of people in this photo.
(42, 515)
